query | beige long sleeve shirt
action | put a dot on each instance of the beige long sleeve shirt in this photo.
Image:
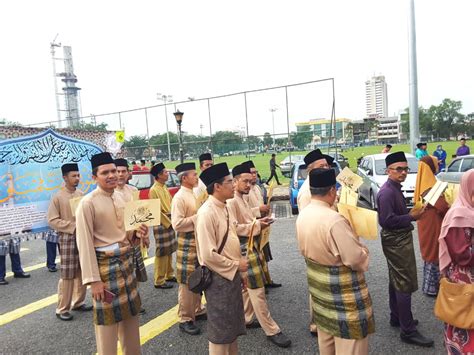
(244, 216)
(304, 195)
(127, 191)
(255, 199)
(60, 216)
(160, 191)
(211, 227)
(183, 210)
(99, 223)
(327, 238)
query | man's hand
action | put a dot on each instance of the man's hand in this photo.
(97, 290)
(243, 265)
(416, 214)
(142, 231)
(265, 222)
(264, 209)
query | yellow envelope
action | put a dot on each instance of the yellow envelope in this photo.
(348, 197)
(347, 178)
(74, 202)
(147, 212)
(250, 241)
(265, 237)
(362, 220)
(270, 193)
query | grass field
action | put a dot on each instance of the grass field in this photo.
(263, 166)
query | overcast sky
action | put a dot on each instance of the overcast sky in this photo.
(126, 52)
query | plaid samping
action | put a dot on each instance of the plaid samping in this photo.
(255, 275)
(116, 272)
(341, 301)
(69, 256)
(165, 240)
(186, 256)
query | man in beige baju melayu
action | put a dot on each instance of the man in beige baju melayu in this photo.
(183, 218)
(255, 302)
(71, 292)
(106, 256)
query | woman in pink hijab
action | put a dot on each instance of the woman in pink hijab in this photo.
(456, 257)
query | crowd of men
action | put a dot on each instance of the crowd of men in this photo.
(219, 220)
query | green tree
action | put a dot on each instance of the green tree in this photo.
(227, 141)
(101, 127)
(267, 139)
(136, 145)
(160, 143)
(447, 120)
(5, 122)
(425, 120)
(253, 142)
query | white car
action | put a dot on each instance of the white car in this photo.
(286, 165)
(373, 171)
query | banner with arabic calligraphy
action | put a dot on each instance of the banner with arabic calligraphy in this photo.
(30, 173)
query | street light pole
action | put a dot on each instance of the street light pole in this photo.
(166, 99)
(179, 119)
(413, 80)
(272, 110)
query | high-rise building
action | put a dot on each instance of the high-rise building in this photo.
(376, 97)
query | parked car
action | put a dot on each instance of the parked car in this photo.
(298, 176)
(286, 165)
(341, 159)
(143, 181)
(457, 167)
(372, 169)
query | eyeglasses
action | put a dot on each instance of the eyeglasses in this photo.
(401, 169)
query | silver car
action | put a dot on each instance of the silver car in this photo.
(457, 167)
(372, 169)
(286, 165)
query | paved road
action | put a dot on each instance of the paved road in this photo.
(39, 332)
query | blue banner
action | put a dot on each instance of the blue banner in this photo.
(30, 173)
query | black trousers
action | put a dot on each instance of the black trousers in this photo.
(273, 174)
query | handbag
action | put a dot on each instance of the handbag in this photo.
(201, 278)
(454, 304)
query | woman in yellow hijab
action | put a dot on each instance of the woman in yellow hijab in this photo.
(429, 225)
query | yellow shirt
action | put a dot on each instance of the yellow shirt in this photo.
(327, 238)
(160, 191)
(60, 216)
(200, 192)
(255, 200)
(304, 195)
(211, 227)
(99, 223)
(183, 210)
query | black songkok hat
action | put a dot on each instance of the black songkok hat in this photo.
(214, 173)
(185, 167)
(419, 145)
(101, 159)
(205, 156)
(313, 156)
(322, 177)
(121, 162)
(156, 169)
(66, 168)
(249, 163)
(316, 154)
(241, 169)
(395, 158)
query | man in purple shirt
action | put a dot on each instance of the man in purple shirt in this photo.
(463, 149)
(397, 244)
